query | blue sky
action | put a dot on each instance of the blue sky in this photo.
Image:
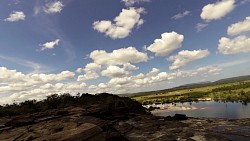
(119, 46)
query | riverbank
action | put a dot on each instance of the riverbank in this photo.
(107, 117)
(88, 124)
(209, 109)
(229, 92)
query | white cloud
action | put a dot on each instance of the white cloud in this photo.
(217, 10)
(36, 10)
(130, 67)
(90, 72)
(120, 81)
(118, 57)
(244, 1)
(12, 76)
(88, 76)
(168, 43)
(123, 24)
(13, 81)
(40, 92)
(200, 26)
(20, 87)
(185, 57)
(53, 7)
(233, 63)
(7, 76)
(181, 15)
(92, 67)
(132, 2)
(214, 70)
(50, 45)
(240, 27)
(153, 72)
(114, 71)
(79, 70)
(233, 46)
(45, 78)
(16, 16)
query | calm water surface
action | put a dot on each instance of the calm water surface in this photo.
(209, 109)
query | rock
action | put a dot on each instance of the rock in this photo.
(17, 122)
(180, 117)
(46, 118)
(57, 128)
(168, 118)
(5, 129)
(166, 138)
(215, 137)
(30, 137)
(115, 136)
(85, 132)
(61, 113)
(123, 127)
(76, 111)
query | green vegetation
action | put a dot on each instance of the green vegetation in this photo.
(218, 91)
(108, 101)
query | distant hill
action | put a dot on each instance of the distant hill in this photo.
(221, 81)
(196, 85)
(233, 79)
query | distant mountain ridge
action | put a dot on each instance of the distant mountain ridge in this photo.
(221, 81)
(198, 84)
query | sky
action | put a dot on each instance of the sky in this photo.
(118, 46)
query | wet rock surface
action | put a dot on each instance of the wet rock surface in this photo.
(97, 124)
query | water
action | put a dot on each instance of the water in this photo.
(210, 109)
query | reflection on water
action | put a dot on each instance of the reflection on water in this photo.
(210, 109)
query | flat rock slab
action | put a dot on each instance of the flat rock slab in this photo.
(85, 132)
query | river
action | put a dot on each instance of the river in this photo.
(209, 109)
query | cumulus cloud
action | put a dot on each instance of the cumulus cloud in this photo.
(240, 27)
(153, 72)
(50, 45)
(12, 78)
(88, 76)
(244, 1)
(130, 67)
(233, 46)
(181, 15)
(114, 71)
(64, 75)
(168, 43)
(200, 26)
(20, 86)
(16, 16)
(120, 81)
(92, 67)
(185, 57)
(53, 7)
(7, 75)
(40, 92)
(123, 24)
(118, 57)
(154, 76)
(132, 2)
(90, 72)
(217, 10)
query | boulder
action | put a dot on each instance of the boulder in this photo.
(180, 117)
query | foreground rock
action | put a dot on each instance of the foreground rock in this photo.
(83, 124)
(111, 118)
